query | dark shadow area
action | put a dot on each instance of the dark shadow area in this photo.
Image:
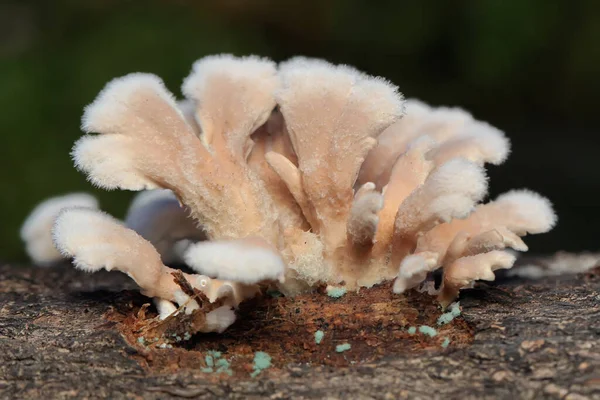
(528, 67)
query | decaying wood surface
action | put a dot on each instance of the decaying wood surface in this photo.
(59, 338)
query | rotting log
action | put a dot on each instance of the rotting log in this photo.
(67, 334)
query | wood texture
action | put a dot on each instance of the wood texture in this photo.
(530, 340)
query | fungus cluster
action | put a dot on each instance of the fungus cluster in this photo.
(292, 175)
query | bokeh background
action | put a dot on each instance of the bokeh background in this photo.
(529, 67)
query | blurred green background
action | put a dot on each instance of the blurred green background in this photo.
(529, 67)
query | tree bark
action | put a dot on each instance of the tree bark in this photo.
(530, 340)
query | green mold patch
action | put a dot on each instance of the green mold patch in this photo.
(336, 292)
(427, 330)
(319, 336)
(340, 348)
(216, 364)
(262, 361)
(447, 317)
(305, 329)
(209, 361)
